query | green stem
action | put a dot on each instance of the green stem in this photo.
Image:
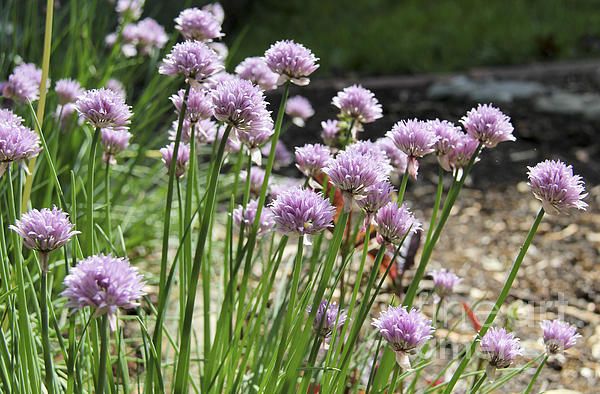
(103, 361)
(478, 383)
(291, 305)
(436, 204)
(499, 301)
(402, 190)
(395, 379)
(90, 193)
(349, 132)
(49, 369)
(42, 101)
(183, 358)
(107, 201)
(536, 375)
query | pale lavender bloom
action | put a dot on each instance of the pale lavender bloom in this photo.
(302, 212)
(394, 222)
(404, 331)
(205, 131)
(500, 348)
(255, 69)
(215, 80)
(358, 103)
(373, 152)
(353, 173)
(117, 87)
(283, 186)
(24, 83)
(553, 183)
(220, 49)
(6, 115)
(378, 195)
(291, 61)
(463, 151)
(104, 108)
(449, 136)
(242, 105)
(247, 216)
(328, 318)
(257, 177)
(44, 230)
(217, 10)
(414, 138)
(311, 158)
(299, 109)
(199, 104)
(197, 24)
(130, 9)
(254, 138)
(398, 159)
(115, 141)
(67, 90)
(192, 59)
(444, 282)
(183, 156)
(330, 130)
(17, 143)
(559, 336)
(488, 125)
(104, 283)
(144, 37)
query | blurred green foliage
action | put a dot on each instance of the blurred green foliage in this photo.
(399, 36)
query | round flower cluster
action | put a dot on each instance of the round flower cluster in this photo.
(67, 90)
(248, 215)
(553, 183)
(17, 142)
(198, 106)
(291, 62)
(330, 130)
(559, 335)
(444, 282)
(145, 37)
(488, 125)
(415, 139)
(255, 70)
(449, 136)
(197, 24)
(44, 230)
(299, 109)
(302, 212)
(394, 222)
(114, 141)
(311, 158)
(192, 59)
(23, 84)
(328, 318)
(183, 157)
(103, 108)
(359, 104)
(500, 348)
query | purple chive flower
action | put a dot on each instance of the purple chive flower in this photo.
(444, 282)
(353, 173)
(115, 141)
(464, 149)
(488, 125)
(7, 116)
(554, 184)
(104, 283)
(378, 195)
(283, 156)
(358, 103)
(117, 87)
(394, 222)
(291, 61)
(247, 216)
(24, 83)
(397, 158)
(328, 318)
(257, 177)
(151, 36)
(311, 158)
(559, 336)
(372, 152)
(192, 59)
(257, 135)
(255, 70)
(17, 143)
(197, 24)
(216, 9)
(302, 211)
(299, 109)
(103, 108)
(449, 136)
(404, 330)
(130, 9)
(67, 90)
(183, 156)
(205, 131)
(283, 186)
(44, 230)
(330, 130)
(500, 348)
(241, 104)
(414, 138)
(199, 104)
